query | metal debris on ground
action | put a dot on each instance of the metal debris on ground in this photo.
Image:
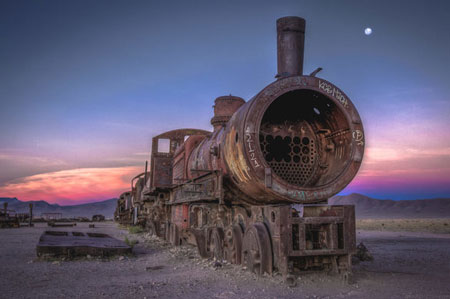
(71, 244)
(60, 224)
(98, 218)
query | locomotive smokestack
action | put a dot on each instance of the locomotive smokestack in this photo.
(290, 46)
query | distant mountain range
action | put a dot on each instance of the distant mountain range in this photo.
(366, 207)
(105, 208)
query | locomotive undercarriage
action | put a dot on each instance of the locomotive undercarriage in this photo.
(285, 238)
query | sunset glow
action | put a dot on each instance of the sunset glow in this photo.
(386, 173)
(72, 186)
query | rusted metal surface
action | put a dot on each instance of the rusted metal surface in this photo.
(71, 244)
(290, 46)
(181, 171)
(254, 191)
(256, 249)
(161, 162)
(123, 213)
(323, 235)
(204, 188)
(302, 128)
(233, 244)
(224, 108)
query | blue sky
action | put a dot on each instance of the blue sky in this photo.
(86, 84)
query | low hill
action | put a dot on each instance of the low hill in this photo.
(8, 199)
(105, 208)
(367, 207)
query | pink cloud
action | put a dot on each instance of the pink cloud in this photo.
(72, 186)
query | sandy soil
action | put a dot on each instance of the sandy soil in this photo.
(406, 265)
(432, 225)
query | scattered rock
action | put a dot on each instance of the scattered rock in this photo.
(362, 253)
(151, 268)
(226, 294)
(121, 258)
(228, 281)
(291, 281)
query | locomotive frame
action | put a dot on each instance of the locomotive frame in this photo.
(254, 191)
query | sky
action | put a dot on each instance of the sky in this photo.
(84, 85)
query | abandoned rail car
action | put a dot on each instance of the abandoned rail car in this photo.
(254, 191)
(12, 219)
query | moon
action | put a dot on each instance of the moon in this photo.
(368, 31)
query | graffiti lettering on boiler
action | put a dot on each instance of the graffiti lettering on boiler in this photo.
(358, 136)
(333, 91)
(251, 147)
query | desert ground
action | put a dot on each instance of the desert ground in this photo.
(423, 225)
(405, 265)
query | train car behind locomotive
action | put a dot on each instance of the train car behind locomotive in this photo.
(254, 191)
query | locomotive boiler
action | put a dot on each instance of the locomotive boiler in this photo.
(254, 191)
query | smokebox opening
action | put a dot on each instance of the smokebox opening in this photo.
(305, 138)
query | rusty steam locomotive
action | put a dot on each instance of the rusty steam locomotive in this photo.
(254, 191)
